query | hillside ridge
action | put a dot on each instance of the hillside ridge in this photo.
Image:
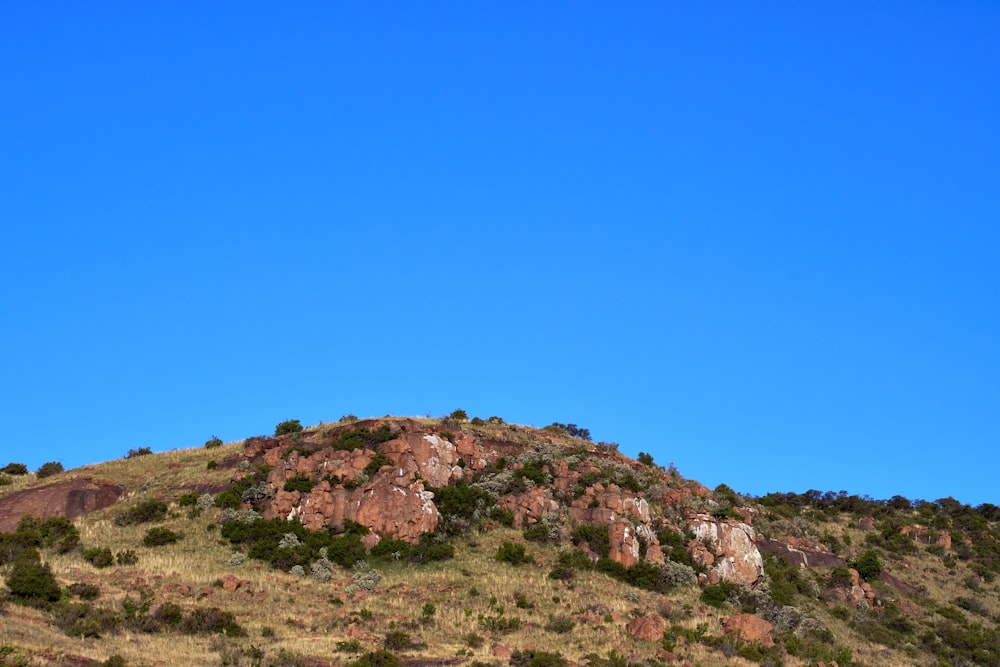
(426, 512)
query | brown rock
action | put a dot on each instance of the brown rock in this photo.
(649, 628)
(624, 543)
(750, 628)
(70, 499)
(231, 582)
(502, 651)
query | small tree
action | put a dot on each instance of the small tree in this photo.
(868, 565)
(15, 469)
(459, 415)
(49, 469)
(288, 427)
(32, 582)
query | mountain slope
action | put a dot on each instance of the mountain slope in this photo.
(455, 542)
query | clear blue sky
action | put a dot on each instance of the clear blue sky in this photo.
(757, 240)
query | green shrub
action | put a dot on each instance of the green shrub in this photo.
(15, 469)
(376, 464)
(361, 438)
(127, 557)
(596, 537)
(115, 660)
(560, 624)
(288, 427)
(299, 483)
(145, 512)
(379, 658)
(716, 595)
(82, 619)
(142, 451)
(84, 591)
(99, 557)
(646, 459)
(31, 582)
(49, 469)
(397, 640)
(536, 658)
(211, 621)
(212, 465)
(512, 553)
(213, 442)
(158, 536)
(459, 415)
(868, 565)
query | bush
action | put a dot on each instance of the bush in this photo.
(716, 595)
(211, 621)
(15, 469)
(82, 619)
(560, 624)
(213, 442)
(299, 483)
(868, 565)
(570, 429)
(380, 658)
(512, 553)
(31, 582)
(84, 591)
(142, 451)
(115, 660)
(376, 464)
(99, 557)
(534, 658)
(49, 469)
(127, 557)
(145, 512)
(288, 427)
(646, 459)
(459, 415)
(156, 537)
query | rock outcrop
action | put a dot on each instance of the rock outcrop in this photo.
(70, 499)
(727, 549)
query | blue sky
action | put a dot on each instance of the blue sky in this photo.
(757, 240)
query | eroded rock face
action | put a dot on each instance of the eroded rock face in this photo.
(70, 499)
(730, 544)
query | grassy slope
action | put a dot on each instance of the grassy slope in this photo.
(282, 612)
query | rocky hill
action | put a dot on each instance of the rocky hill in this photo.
(476, 542)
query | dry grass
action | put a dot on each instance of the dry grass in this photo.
(282, 612)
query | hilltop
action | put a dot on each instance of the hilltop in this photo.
(475, 542)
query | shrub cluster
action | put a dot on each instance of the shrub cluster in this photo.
(15, 469)
(142, 451)
(263, 541)
(31, 534)
(49, 469)
(288, 427)
(158, 536)
(145, 512)
(513, 553)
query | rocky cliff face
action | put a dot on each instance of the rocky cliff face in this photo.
(542, 480)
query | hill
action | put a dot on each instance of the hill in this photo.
(476, 542)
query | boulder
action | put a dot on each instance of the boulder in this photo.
(70, 499)
(750, 628)
(649, 628)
